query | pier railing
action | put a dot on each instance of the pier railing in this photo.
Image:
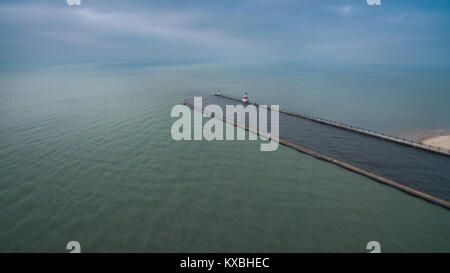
(385, 136)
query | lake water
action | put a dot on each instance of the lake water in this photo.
(86, 155)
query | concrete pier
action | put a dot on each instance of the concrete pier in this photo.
(387, 137)
(425, 196)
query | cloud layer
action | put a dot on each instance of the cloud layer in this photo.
(315, 31)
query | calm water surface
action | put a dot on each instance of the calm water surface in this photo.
(86, 155)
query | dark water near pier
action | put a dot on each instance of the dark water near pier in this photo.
(422, 170)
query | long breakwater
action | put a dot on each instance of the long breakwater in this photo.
(420, 170)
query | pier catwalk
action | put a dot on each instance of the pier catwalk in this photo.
(416, 171)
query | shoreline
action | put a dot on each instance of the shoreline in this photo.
(439, 140)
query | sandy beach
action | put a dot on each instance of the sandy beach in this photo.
(442, 141)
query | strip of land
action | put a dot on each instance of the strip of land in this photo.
(442, 141)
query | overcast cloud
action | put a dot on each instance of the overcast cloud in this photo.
(398, 32)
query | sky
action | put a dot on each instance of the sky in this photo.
(415, 32)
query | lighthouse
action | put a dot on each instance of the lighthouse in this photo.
(245, 98)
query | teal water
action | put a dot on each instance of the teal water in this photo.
(86, 155)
